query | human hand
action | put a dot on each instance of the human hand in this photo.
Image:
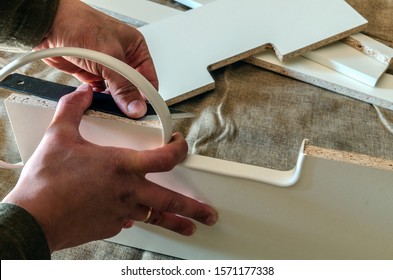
(76, 24)
(79, 191)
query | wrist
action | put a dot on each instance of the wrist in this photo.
(66, 17)
(40, 211)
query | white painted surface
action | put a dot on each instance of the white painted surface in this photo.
(183, 47)
(344, 60)
(349, 61)
(305, 70)
(371, 47)
(334, 211)
(169, 78)
(141, 10)
(189, 3)
(194, 4)
(121, 134)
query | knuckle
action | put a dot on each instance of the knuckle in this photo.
(127, 196)
(157, 218)
(173, 204)
(69, 100)
(118, 162)
(166, 162)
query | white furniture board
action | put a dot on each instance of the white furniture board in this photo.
(185, 46)
(343, 57)
(194, 4)
(140, 10)
(371, 47)
(335, 211)
(183, 51)
(360, 41)
(314, 73)
(328, 209)
(125, 131)
(349, 61)
(339, 56)
(307, 71)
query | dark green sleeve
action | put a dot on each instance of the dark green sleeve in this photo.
(21, 237)
(24, 23)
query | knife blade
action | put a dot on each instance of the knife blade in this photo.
(54, 91)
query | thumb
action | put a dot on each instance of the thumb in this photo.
(72, 106)
(127, 97)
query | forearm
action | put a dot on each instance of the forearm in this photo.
(21, 237)
(24, 23)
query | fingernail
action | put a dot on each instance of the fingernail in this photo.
(189, 230)
(128, 224)
(83, 87)
(212, 219)
(137, 108)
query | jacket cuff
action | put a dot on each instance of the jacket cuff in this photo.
(21, 237)
(24, 23)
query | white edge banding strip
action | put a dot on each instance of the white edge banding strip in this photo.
(7, 165)
(249, 172)
(116, 65)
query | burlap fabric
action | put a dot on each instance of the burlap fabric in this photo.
(253, 116)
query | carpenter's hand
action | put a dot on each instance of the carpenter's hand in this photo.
(76, 24)
(79, 191)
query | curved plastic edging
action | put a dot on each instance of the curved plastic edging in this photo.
(116, 65)
(249, 172)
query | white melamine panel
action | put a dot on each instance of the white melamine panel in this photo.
(183, 47)
(191, 81)
(194, 4)
(371, 47)
(141, 10)
(189, 3)
(322, 209)
(349, 61)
